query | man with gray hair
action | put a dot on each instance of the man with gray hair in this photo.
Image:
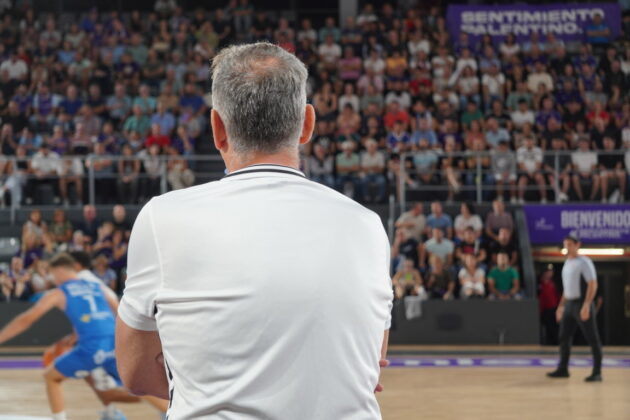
(263, 295)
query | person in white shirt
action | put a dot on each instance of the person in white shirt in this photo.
(15, 67)
(372, 167)
(412, 222)
(472, 279)
(492, 84)
(522, 115)
(329, 53)
(530, 158)
(279, 335)
(538, 77)
(585, 163)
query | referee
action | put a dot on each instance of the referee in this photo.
(576, 310)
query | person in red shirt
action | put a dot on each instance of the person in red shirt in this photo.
(155, 137)
(395, 113)
(548, 299)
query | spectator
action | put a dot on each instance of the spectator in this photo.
(164, 119)
(137, 122)
(557, 168)
(439, 220)
(71, 172)
(470, 245)
(408, 282)
(597, 32)
(504, 243)
(103, 272)
(585, 164)
(472, 279)
(467, 219)
(179, 175)
(44, 168)
(404, 248)
(372, 167)
(503, 280)
(89, 225)
(60, 230)
(498, 218)
(530, 160)
(439, 246)
(119, 104)
(504, 169)
(103, 168)
(128, 174)
(153, 167)
(548, 299)
(612, 169)
(321, 166)
(347, 164)
(412, 223)
(440, 283)
(155, 137)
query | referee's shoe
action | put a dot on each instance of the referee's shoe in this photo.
(564, 373)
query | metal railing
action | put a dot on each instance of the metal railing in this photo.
(483, 176)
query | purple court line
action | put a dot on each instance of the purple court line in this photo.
(446, 362)
(421, 362)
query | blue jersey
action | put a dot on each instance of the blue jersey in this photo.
(88, 310)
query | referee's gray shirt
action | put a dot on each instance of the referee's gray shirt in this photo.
(572, 271)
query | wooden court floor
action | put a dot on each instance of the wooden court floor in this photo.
(437, 393)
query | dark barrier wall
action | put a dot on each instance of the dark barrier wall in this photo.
(442, 322)
(468, 322)
(47, 330)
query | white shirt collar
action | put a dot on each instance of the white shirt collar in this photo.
(266, 167)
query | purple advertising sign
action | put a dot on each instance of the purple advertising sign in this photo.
(567, 21)
(593, 224)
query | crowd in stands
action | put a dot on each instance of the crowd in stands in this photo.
(127, 90)
(101, 244)
(468, 258)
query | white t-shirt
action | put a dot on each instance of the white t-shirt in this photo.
(329, 53)
(473, 221)
(494, 83)
(519, 118)
(529, 158)
(584, 161)
(270, 292)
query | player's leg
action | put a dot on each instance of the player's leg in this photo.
(54, 390)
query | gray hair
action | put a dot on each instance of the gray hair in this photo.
(259, 90)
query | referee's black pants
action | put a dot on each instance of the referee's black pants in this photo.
(569, 323)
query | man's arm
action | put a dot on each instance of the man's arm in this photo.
(22, 322)
(140, 361)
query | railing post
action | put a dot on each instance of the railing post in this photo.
(401, 180)
(163, 185)
(478, 181)
(392, 216)
(91, 181)
(556, 176)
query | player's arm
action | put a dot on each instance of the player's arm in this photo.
(22, 322)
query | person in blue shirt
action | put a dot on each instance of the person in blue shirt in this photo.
(597, 32)
(90, 309)
(439, 220)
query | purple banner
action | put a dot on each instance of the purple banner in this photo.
(567, 21)
(593, 224)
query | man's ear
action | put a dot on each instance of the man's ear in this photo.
(218, 130)
(309, 124)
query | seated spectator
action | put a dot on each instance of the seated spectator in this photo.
(498, 218)
(372, 168)
(321, 166)
(557, 163)
(472, 280)
(585, 163)
(128, 176)
(103, 168)
(348, 164)
(153, 167)
(137, 122)
(179, 175)
(530, 159)
(60, 230)
(439, 246)
(426, 161)
(467, 219)
(504, 169)
(439, 220)
(470, 245)
(495, 134)
(503, 280)
(81, 142)
(522, 115)
(398, 140)
(424, 131)
(155, 137)
(451, 165)
(71, 172)
(395, 113)
(164, 119)
(404, 248)
(119, 104)
(17, 281)
(71, 103)
(412, 222)
(503, 243)
(91, 123)
(101, 270)
(440, 282)
(145, 101)
(612, 169)
(408, 281)
(44, 169)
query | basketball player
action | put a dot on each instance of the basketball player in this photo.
(90, 309)
(576, 310)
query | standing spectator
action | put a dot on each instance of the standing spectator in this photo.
(472, 279)
(439, 220)
(321, 166)
(372, 167)
(408, 282)
(585, 163)
(412, 223)
(348, 165)
(530, 160)
(440, 283)
(548, 299)
(498, 218)
(503, 280)
(597, 32)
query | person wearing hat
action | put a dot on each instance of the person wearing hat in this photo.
(577, 309)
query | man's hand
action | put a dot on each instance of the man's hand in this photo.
(585, 312)
(382, 363)
(559, 313)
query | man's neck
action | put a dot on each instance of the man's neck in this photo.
(287, 158)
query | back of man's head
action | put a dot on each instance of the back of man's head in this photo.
(82, 259)
(259, 91)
